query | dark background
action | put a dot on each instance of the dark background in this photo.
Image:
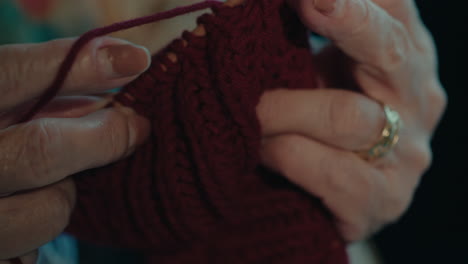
(435, 228)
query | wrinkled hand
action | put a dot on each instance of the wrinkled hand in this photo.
(311, 136)
(71, 134)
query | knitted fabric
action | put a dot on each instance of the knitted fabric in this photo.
(195, 192)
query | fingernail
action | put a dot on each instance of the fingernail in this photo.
(325, 6)
(123, 60)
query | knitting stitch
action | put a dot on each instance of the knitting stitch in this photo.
(195, 192)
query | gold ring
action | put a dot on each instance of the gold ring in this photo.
(389, 136)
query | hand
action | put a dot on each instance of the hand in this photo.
(73, 133)
(311, 136)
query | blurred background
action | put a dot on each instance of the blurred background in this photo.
(435, 228)
(40, 20)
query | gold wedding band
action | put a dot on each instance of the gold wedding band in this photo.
(389, 136)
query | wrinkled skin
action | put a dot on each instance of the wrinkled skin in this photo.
(310, 136)
(390, 56)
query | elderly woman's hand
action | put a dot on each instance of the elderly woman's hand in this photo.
(70, 135)
(311, 136)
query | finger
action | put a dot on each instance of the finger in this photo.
(343, 182)
(74, 106)
(339, 118)
(27, 70)
(45, 151)
(60, 107)
(405, 11)
(32, 219)
(362, 29)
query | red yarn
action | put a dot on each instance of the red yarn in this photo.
(195, 192)
(66, 65)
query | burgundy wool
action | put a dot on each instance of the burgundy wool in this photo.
(195, 192)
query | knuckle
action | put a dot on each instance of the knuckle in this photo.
(422, 158)
(61, 201)
(9, 79)
(12, 72)
(396, 205)
(39, 151)
(424, 43)
(360, 15)
(268, 106)
(397, 49)
(344, 115)
(116, 135)
(399, 199)
(283, 152)
(342, 176)
(438, 97)
(286, 148)
(334, 177)
(441, 100)
(17, 66)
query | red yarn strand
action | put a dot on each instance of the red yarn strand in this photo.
(66, 65)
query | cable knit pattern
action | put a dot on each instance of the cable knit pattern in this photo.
(195, 192)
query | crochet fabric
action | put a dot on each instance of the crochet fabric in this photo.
(195, 192)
